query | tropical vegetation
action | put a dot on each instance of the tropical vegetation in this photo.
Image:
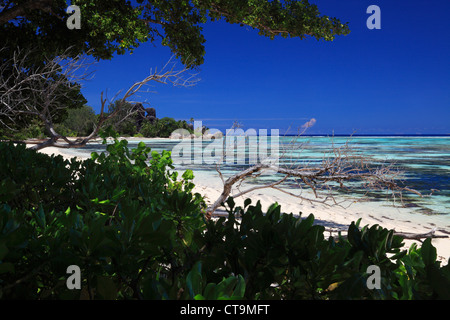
(136, 230)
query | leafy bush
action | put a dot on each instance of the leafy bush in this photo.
(137, 231)
(163, 127)
(33, 129)
(149, 130)
(124, 219)
(284, 257)
(79, 122)
(75, 122)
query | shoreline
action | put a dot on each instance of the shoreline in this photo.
(209, 185)
(338, 218)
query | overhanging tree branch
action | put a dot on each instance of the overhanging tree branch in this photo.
(22, 9)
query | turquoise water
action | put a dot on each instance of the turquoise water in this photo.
(425, 162)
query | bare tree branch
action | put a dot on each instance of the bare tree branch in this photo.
(405, 235)
(342, 169)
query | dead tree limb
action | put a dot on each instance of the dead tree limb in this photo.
(419, 236)
(314, 178)
(340, 170)
(405, 235)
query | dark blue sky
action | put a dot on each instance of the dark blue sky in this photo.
(390, 81)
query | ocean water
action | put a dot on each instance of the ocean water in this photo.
(424, 161)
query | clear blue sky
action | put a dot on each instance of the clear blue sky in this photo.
(390, 81)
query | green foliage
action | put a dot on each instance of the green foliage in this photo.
(115, 27)
(137, 231)
(149, 130)
(107, 28)
(79, 123)
(183, 22)
(124, 218)
(231, 288)
(163, 127)
(34, 129)
(124, 121)
(283, 257)
(125, 124)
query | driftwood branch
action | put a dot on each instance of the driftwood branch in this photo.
(419, 236)
(337, 171)
(317, 179)
(405, 235)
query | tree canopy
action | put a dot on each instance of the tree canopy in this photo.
(115, 27)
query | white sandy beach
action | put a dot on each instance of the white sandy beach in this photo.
(209, 185)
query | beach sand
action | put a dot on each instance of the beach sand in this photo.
(336, 218)
(339, 218)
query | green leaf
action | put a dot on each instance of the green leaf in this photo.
(188, 175)
(141, 145)
(210, 291)
(306, 224)
(40, 217)
(194, 280)
(225, 287)
(230, 202)
(94, 156)
(428, 252)
(239, 290)
(3, 251)
(118, 194)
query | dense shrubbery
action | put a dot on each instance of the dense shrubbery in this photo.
(136, 230)
(34, 129)
(126, 223)
(76, 123)
(163, 127)
(126, 125)
(283, 257)
(81, 121)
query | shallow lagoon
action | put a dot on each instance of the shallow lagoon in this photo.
(424, 159)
